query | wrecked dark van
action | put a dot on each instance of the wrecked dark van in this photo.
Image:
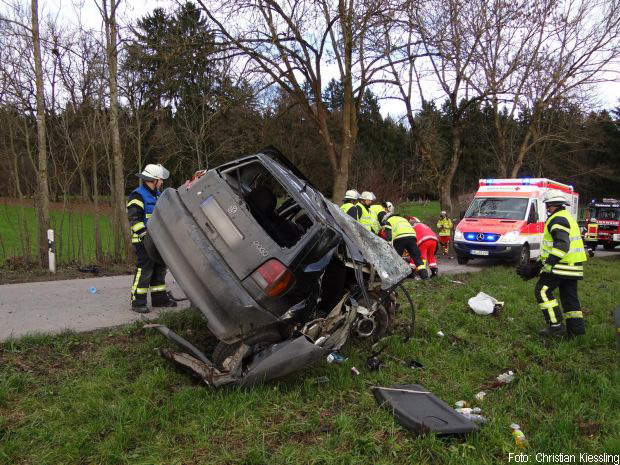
(282, 276)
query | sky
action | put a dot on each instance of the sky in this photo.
(607, 94)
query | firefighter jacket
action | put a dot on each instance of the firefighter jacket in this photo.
(345, 207)
(374, 211)
(444, 225)
(397, 227)
(139, 209)
(562, 246)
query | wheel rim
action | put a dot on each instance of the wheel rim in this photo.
(525, 255)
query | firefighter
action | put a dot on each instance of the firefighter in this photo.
(365, 216)
(351, 199)
(399, 231)
(427, 243)
(149, 275)
(560, 266)
(444, 225)
(376, 209)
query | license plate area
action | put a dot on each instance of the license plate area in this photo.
(480, 252)
(222, 224)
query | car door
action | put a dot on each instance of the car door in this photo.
(535, 228)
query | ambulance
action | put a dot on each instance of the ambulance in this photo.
(506, 219)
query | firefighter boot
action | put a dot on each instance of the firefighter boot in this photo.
(553, 330)
(140, 308)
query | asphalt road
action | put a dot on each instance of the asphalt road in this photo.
(55, 306)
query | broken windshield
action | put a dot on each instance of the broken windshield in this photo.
(499, 208)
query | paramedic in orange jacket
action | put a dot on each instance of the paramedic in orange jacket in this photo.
(427, 243)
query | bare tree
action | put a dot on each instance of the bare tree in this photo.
(295, 44)
(108, 13)
(43, 213)
(447, 33)
(581, 48)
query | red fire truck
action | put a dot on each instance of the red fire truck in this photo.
(603, 220)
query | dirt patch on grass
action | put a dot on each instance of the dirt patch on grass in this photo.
(589, 428)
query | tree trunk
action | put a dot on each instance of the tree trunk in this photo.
(523, 149)
(122, 223)
(500, 134)
(43, 202)
(98, 248)
(445, 185)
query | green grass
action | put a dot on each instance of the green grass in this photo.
(75, 234)
(427, 213)
(107, 397)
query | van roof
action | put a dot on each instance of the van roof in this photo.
(513, 186)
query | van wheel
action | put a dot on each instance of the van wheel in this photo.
(524, 256)
(462, 260)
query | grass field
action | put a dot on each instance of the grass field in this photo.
(108, 398)
(75, 235)
(74, 230)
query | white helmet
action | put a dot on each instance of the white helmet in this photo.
(555, 196)
(368, 196)
(351, 194)
(153, 172)
(390, 207)
(443, 213)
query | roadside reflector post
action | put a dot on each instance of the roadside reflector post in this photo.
(51, 250)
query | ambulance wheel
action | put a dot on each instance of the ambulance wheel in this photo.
(609, 246)
(524, 256)
(462, 260)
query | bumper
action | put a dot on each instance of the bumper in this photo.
(205, 278)
(499, 251)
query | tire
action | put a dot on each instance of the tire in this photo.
(462, 260)
(222, 351)
(609, 246)
(524, 255)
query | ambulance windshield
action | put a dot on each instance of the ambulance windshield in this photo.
(500, 208)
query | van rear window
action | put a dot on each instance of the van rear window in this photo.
(271, 205)
(500, 208)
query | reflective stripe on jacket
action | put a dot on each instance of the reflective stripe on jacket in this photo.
(424, 233)
(570, 262)
(144, 199)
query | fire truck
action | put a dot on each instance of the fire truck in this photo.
(603, 223)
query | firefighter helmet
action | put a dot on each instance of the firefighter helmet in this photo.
(555, 197)
(389, 207)
(153, 172)
(366, 195)
(351, 194)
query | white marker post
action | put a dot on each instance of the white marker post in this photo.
(51, 250)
